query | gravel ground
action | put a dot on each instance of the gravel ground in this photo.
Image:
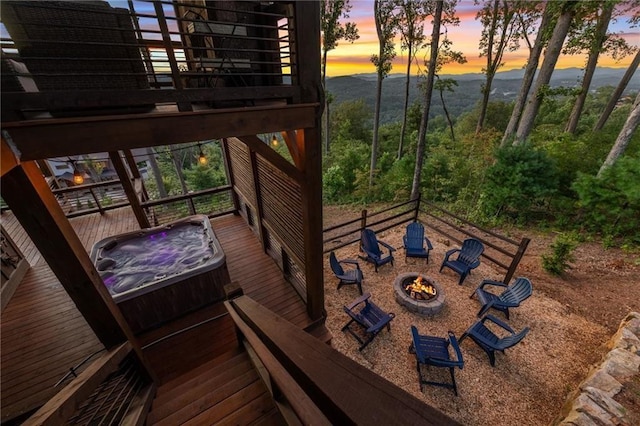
(529, 383)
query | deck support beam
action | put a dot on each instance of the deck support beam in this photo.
(129, 190)
(31, 201)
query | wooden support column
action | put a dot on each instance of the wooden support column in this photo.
(253, 163)
(143, 221)
(312, 222)
(229, 171)
(135, 172)
(27, 194)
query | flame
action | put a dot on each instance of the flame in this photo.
(418, 286)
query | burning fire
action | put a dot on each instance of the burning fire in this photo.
(417, 289)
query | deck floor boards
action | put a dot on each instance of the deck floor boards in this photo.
(42, 334)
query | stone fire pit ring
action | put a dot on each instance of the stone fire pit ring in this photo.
(420, 307)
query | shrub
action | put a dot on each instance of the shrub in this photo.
(520, 179)
(557, 261)
(610, 203)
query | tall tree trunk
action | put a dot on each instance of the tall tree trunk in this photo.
(486, 90)
(600, 37)
(529, 73)
(403, 129)
(424, 122)
(446, 114)
(157, 175)
(376, 124)
(623, 137)
(544, 76)
(178, 165)
(327, 118)
(618, 92)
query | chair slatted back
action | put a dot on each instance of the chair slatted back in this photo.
(369, 242)
(470, 251)
(335, 265)
(517, 292)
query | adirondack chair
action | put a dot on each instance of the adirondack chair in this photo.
(489, 341)
(415, 241)
(468, 258)
(435, 351)
(370, 244)
(369, 317)
(351, 276)
(511, 297)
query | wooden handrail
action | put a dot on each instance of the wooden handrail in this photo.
(344, 391)
(62, 406)
(305, 409)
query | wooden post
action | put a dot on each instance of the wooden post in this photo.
(417, 213)
(95, 198)
(143, 221)
(224, 145)
(135, 172)
(516, 259)
(363, 220)
(253, 163)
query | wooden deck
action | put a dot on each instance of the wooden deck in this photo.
(43, 335)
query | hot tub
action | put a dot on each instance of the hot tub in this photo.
(158, 274)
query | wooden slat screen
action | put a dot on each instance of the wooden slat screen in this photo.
(282, 206)
(241, 168)
(274, 248)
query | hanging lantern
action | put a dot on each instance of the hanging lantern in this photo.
(202, 159)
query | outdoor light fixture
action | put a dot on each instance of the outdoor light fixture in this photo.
(274, 141)
(202, 159)
(78, 178)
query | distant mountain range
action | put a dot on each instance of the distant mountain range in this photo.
(505, 88)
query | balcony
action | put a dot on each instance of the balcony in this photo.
(68, 59)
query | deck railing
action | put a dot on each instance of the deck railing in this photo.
(109, 59)
(500, 250)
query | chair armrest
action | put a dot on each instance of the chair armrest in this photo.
(384, 320)
(351, 262)
(429, 246)
(449, 253)
(498, 322)
(456, 347)
(491, 282)
(358, 301)
(387, 246)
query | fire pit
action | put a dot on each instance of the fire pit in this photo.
(418, 293)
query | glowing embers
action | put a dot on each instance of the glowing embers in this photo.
(421, 289)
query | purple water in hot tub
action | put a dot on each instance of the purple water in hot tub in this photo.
(133, 260)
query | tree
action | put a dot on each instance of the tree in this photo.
(442, 85)
(592, 36)
(157, 175)
(333, 31)
(386, 20)
(497, 18)
(618, 92)
(569, 9)
(624, 137)
(412, 14)
(428, 90)
(528, 19)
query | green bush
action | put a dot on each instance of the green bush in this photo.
(610, 203)
(557, 261)
(521, 178)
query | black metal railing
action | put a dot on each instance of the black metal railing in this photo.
(104, 57)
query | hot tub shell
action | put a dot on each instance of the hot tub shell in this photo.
(175, 294)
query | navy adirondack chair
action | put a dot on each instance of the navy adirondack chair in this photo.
(489, 341)
(513, 294)
(370, 244)
(350, 276)
(415, 243)
(369, 317)
(468, 258)
(435, 351)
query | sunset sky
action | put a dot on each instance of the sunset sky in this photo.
(354, 58)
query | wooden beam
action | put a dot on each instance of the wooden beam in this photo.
(253, 164)
(229, 172)
(307, 33)
(8, 157)
(311, 188)
(291, 139)
(27, 194)
(65, 403)
(344, 391)
(254, 143)
(129, 190)
(75, 136)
